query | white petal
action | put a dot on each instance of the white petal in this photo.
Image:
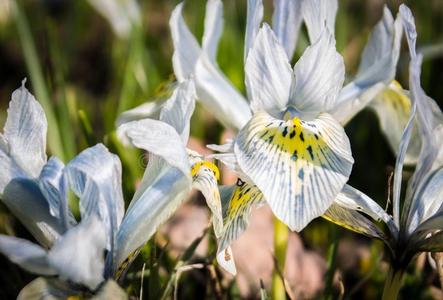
(213, 28)
(47, 288)
(253, 20)
(146, 110)
(25, 132)
(178, 109)
(78, 255)
(110, 290)
(160, 139)
(157, 203)
(23, 198)
(27, 255)
(186, 48)
(318, 12)
(319, 76)
(10, 169)
(218, 95)
(286, 22)
(268, 73)
(95, 177)
(299, 166)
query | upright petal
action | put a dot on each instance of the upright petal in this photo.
(317, 14)
(95, 177)
(286, 22)
(27, 255)
(10, 169)
(25, 132)
(299, 166)
(253, 20)
(268, 73)
(186, 48)
(213, 28)
(319, 76)
(218, 95)
(78, 255)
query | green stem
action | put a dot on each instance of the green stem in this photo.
(281, 233)
(393, 284)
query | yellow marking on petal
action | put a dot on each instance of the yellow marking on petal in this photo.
(125, 264)
(395, 95)
(195, 169)
(244, 195)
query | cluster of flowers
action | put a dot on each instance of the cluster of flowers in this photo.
(290, 151)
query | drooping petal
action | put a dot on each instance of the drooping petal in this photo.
(78, 255)
(27, 255)
(159, 138)
(26, 202)
(178, 109)
(286, 22)
(47, 288)
(53, 186)
(268, 73)
(300, 166)
(155, 205)
(146, 110)
(205, 176)
(237, 201)
(376, 71)
(319, 76)
(213, 28)
(10, 169)
(317, 14)
(253, 20)
(95, 177)
(218, 95)
(186, 48)
(25, 132)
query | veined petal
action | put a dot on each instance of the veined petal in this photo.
(253, 20)
(10, 169)
(218, 95)
(213, 28)
(157, 203)
(24, 199)
(237, 201)
(178, 109)
(317, 14)
(186, 48)
(268, 73)
(25, 132)
(319, 76)
(205, 176)
(299, 166)
(78, 254)
(27, 255)
(159, 138)
(95, 177)
(286, 22)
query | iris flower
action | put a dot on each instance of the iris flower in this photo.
(171, 172)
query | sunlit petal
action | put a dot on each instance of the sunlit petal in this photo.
(286, 22)
(317, 14)
(213, 28)
(253, 20)
(47, 288)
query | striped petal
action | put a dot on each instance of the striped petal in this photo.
(237, 201)
(253, 20)
(286, 22)
(316, 14)
(213, 28)
(299, 166)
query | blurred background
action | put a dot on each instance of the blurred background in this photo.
(88, 61)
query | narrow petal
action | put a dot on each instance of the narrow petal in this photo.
(26, 202)
(376, 71)
(299, 166)
(27, 255)
(205, 176)
(157, 203)
(159, 138)
(25, 132)
(178, 109)
(47, 288)
(319, 76)
(186, 48)
(316, 14)
(10, 169)
(253, 20)
(237, 202)
(213, 28)
(146, 110)
(95, 177)
(78, 255)
(286, 22)
(218, 95)
(268, 73)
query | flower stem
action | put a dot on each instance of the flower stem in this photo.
(281, 233)
(393, 284)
